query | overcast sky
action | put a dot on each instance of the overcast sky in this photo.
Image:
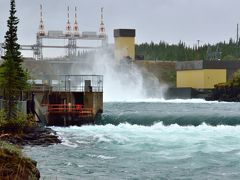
(209, 21)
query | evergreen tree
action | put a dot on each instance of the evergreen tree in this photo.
(180, 52)
(13, 78)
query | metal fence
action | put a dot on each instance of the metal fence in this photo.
(21, 106)
(70, 83)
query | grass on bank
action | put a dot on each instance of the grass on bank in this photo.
(16, 125)
(13, 165)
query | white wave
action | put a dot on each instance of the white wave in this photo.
(68, 143)
(100, 156)
(91, 155)
(126, 134)
(110, 128)
(69, 164)
(101, 138)
(105, 157)
(82, 142)
(202, 138)
(161, 100)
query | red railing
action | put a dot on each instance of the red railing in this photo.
(70, 108)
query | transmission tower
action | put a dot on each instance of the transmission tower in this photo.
(102, 30)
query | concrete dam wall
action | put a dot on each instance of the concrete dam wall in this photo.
(164, 71)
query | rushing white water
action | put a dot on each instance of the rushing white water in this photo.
(130, 151)
(148, 140)
(125, 134)
(122, 81)
(162, 100)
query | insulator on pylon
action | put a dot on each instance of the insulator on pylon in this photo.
(102, 31)
(41, 31)
(68, 25)
(75, 26)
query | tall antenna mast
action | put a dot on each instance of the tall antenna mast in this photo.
(102, 31)
(68, 25)
(75, 27)
(41, 31)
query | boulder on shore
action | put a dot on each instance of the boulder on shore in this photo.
(37, 135)
(225, 93)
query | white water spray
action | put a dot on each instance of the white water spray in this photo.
(122, 81)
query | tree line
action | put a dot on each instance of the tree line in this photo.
(181, 52)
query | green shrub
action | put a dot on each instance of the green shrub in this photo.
(17, 124)
(11, 148)
(235, 82)
(2, 118)
(13, 165)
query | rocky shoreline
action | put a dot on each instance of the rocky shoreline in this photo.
(10, 159)
(38, 135)
(225, 93)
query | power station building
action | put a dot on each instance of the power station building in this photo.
(204, 74)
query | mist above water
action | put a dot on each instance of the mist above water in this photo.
(123, 81)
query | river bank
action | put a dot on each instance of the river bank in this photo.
(37, 135)
(225, 93)
(14, 165)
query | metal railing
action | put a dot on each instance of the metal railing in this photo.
(70, 108)
(69, 83)
(40, 87)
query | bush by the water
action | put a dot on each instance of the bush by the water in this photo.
(229, 91)
(13, 165)
(235, 81)
(17, 124)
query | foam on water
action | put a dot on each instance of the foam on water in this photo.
(127, 133)
(100, 156)
(162, 100)
(92, 129)
(141, 146)
(68, 143)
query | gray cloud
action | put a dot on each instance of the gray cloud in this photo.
(155, 20)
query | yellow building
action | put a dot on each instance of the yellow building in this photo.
(201, 79)
(204, 74)
(124, 44)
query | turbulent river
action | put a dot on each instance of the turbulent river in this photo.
(148, 139)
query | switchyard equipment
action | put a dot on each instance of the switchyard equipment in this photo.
(71, 34)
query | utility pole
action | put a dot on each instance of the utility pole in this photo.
(198, 42)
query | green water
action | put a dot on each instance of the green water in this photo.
(148, 140)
